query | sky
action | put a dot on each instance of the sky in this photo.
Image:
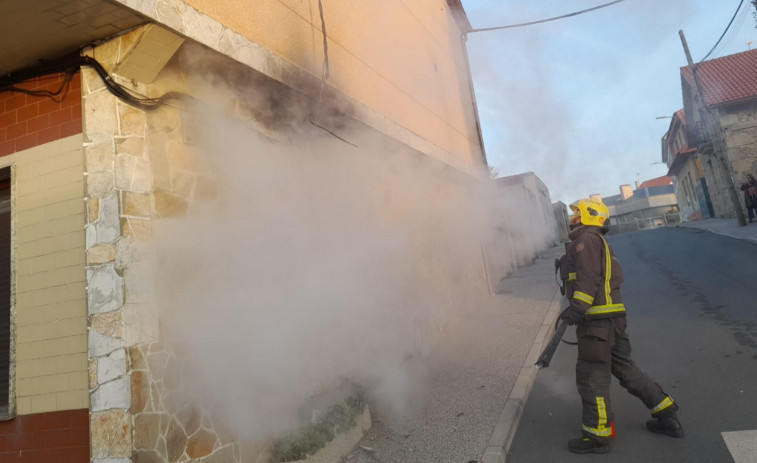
(576, 100)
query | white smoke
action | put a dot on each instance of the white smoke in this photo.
(318, 263)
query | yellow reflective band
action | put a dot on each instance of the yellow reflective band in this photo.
(608, 270)
(603, 309)
(667, 402)
(571, 276)
(583, 297)
(601, 430)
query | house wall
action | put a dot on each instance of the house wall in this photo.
(411, 84)
(690, 191)
(41, 140)
(739, 124)
(523, 224)
(148, 170)
(718, 181)
(685, 191)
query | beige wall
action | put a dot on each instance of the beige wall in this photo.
(402, 59)
(50, 298)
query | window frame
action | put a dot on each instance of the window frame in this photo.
(8, 410)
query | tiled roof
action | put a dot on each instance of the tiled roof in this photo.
(659, 181)
(728, 79)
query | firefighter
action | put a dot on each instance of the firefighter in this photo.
(596, 308)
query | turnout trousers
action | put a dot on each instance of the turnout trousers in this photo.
(604, 350)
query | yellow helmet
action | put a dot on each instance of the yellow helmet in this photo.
(591, 212)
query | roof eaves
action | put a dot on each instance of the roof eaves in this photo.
(752, 98)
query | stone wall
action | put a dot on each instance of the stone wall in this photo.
(138, 170)
(740, 128)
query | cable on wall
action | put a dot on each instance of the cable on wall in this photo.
(70, 66)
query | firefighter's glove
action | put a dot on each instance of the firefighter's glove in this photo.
(572, 315)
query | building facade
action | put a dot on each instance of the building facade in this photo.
(524, 222)
(686, 169)
(652, 204)
(720, 110)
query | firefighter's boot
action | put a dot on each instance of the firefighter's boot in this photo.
(669, 426)
(588, 445)
(666, 421)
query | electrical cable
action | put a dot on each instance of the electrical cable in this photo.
(732, 33)
(724, 32)
(728, 39)
(45, 93)
(531, 23)
(70, 66)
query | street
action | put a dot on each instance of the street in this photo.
(692, 319)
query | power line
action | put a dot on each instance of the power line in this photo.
(724, 32)
(546, 20)
(733, 33)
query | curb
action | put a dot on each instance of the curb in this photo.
(720, 232)
(504, 431)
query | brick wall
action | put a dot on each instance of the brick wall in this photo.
(41, 138)
(27, 121)
(60, 437)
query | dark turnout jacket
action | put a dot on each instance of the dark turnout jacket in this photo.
(594, 274)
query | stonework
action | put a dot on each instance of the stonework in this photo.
(110, 434)
(170, 424)
(138, 169)
(739, 128)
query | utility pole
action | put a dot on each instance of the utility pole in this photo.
(711, 124)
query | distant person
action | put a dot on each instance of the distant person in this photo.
(604, 349)
(750, 196)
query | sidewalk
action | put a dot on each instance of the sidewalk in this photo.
(727, 227)
(477, 379)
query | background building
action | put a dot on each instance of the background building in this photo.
(720, 110)
(652, 204)
(686, 170)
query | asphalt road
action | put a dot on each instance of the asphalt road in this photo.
(691, 298)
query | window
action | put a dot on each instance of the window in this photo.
(5, 292)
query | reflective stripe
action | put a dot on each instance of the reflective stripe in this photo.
(571, 276)
(581, 296)
(604, 309)
(666, 402)
(602, 430)
(608, 270)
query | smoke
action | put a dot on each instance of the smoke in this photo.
(317, 264)
(547, 92)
